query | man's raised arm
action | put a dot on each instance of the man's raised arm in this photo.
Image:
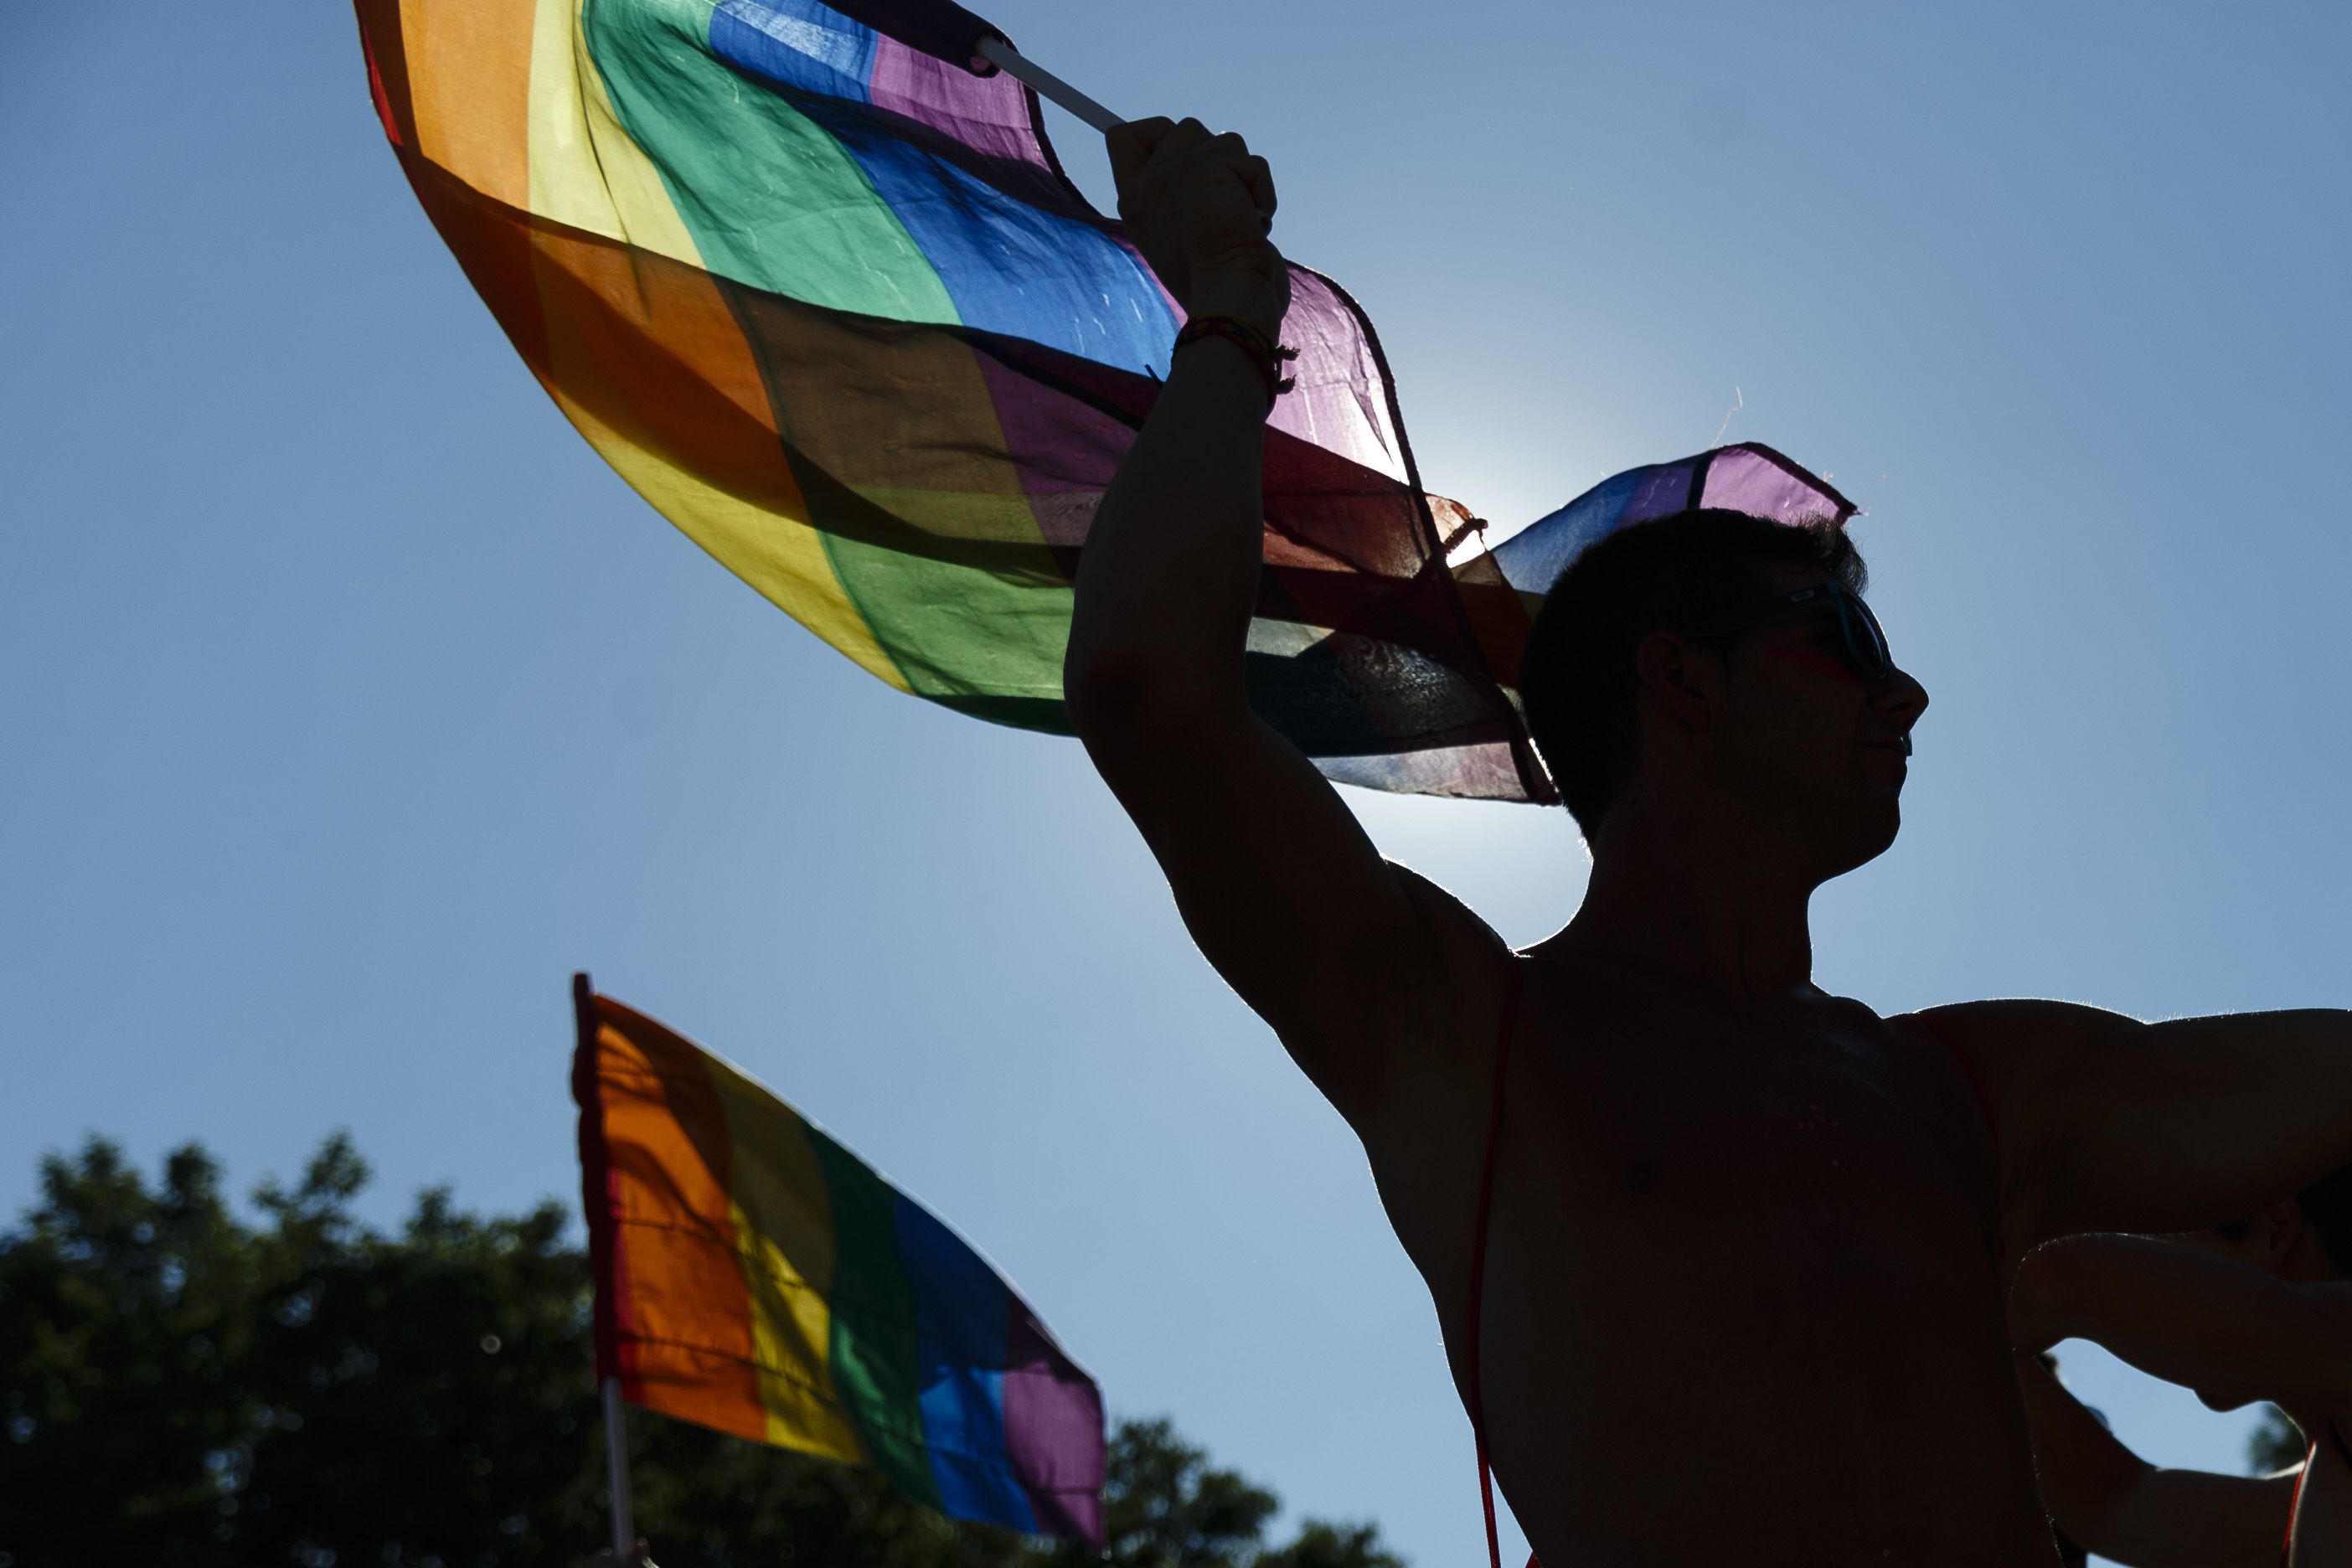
(1274, 876)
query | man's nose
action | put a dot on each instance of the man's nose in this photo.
(1900, 700)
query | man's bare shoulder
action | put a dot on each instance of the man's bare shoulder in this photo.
(2017, 1041)
(2030, 1019)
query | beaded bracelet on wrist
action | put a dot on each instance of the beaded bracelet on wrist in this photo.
(1251, 340)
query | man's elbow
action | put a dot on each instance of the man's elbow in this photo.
(1108, 699)
(1124, 702)
(1097, 685)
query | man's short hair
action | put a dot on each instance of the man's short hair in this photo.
(1578, 677)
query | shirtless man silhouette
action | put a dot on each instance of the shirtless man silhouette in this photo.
(1744, 1291)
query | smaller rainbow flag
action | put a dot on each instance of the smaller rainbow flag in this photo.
(755, 1276)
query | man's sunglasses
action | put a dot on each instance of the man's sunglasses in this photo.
(1865, 639)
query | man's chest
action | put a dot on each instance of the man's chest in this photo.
(1859, 1153)
(1834, 1131)
(1799, 1109)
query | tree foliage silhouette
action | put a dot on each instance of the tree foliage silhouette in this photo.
(181, 1386)
(2276, 1444)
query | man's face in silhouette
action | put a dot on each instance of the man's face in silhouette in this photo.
(1812, 747)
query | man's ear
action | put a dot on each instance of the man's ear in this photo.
(1683, 679)
(2277, 1228)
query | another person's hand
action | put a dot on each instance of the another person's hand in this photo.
(1199, 207)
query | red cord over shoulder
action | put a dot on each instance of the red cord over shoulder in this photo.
(1471, 1338)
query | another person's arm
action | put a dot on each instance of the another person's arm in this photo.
(2109, 1124)
(1272, 873)
(2121, 1507)
(2230, 1333)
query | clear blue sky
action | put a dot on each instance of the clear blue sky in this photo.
(347, 703)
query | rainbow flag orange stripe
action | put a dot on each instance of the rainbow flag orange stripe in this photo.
(755, 1276)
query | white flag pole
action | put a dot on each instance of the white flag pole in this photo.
(617, 1466)
(1006, 59)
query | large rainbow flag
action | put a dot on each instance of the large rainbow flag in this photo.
(832, 306)
(754, 1276)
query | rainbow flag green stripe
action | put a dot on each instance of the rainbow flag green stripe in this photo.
(831, 306)
(755, 1276)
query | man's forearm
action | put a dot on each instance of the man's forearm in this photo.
(1168, 577)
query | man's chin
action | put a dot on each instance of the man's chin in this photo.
(1881, 801)
(1870, 837)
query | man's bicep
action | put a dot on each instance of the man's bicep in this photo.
(2114, 1124)
(1287, 895)
(2198, 1122)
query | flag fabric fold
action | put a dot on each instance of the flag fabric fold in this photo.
(755, 1276)
(829, 303)
(1749, 478)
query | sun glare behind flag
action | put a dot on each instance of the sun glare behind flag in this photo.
(755, 1276)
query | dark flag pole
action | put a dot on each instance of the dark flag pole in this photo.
(616, 1467)
(946, 31)
(1045, 84)
(616, 1411)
